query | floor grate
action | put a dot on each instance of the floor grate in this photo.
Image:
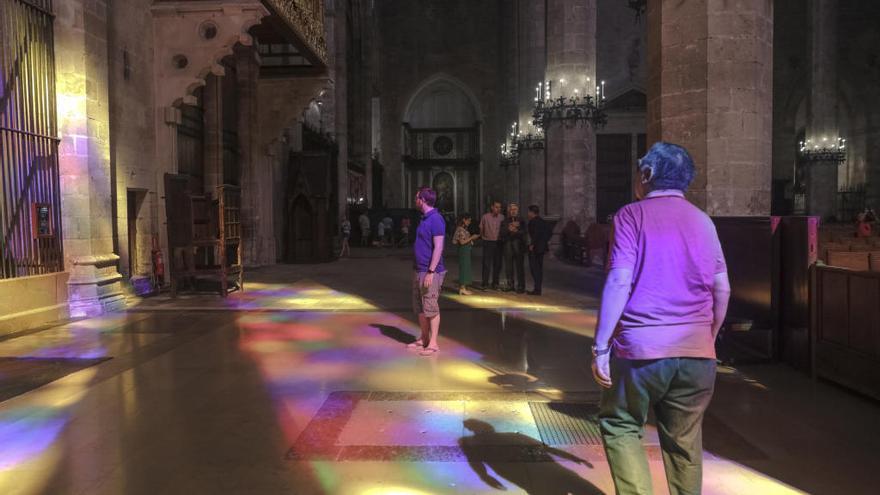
(567, 423)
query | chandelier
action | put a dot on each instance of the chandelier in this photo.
(577, 108)
(509, 155)
(826, 152)
(530, 141)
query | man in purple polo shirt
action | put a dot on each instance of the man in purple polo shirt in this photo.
(663, 304)
(429, 271)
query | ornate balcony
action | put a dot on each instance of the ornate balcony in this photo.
(305, 20)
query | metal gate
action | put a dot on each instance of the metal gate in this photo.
(30, 208)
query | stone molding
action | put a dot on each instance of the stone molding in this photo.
(176, 29)
(95, 285)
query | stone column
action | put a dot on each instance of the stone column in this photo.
(571, 149)
(213, 106)
(95, 285)
(710, 90)
(822, 176)
(257, 234)
(532, 63)
(336, 48)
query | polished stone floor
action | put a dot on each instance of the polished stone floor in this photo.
(302, 384)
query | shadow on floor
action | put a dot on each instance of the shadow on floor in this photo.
(554, 479)
(394, 333)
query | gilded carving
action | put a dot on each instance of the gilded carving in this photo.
(306, 18)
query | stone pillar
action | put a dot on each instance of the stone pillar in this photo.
(95, 285)
(571, 149)
(336, 48)
(532, 62)
(822, 176)
(256, 175)
(213, 106)
(710, 90)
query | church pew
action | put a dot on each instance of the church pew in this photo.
(858, 261)
(825, 248)
(874, 261)
(845, 321)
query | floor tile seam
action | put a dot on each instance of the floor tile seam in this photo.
(391, 310)
(52, 326)
(125, 362)
(477, 396)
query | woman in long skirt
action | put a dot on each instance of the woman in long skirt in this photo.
(465, 242)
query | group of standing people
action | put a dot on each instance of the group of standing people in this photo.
(384, 235)
(506, 239)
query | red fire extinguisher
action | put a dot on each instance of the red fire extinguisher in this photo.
(158, 264)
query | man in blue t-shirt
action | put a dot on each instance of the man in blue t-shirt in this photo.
(428, 271)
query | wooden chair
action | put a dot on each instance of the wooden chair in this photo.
(858, 261)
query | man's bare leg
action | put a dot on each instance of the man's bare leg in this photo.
(425, 325)
(434, 322)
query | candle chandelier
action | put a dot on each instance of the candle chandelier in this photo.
(578, 107)
(518, 143)
(509, 155)
(826, 151)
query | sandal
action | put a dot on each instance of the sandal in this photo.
(429, 351)
(416, 344)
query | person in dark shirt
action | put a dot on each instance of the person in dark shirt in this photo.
(513, 239)
(539, 240)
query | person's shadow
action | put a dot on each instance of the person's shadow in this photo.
(482, 450)
(394, 333)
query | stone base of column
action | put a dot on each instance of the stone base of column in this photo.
(821, 184)
(259, 251)
(95, 286)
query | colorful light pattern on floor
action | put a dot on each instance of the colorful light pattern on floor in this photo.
(579, 321)
(337, 341)
(304, 356)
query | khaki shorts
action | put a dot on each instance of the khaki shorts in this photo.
(425, 300)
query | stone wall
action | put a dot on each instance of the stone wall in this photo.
(28, 302)
(710, 90)
(132, 129)
(87, 206)
(418, 40)
(859, 95)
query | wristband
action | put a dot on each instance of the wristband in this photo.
(600, 352)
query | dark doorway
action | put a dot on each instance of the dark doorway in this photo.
(135, 199)
(301, 230)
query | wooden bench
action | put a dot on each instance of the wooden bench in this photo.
(858, 261)
(845, 337)
(874, 261)
(831, 246)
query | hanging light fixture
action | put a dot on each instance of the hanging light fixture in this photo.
(824, 151)
(509, 152)
(580, 107)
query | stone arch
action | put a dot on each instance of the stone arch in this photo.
(453, 102)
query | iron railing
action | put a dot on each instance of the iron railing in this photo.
(30, 207)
